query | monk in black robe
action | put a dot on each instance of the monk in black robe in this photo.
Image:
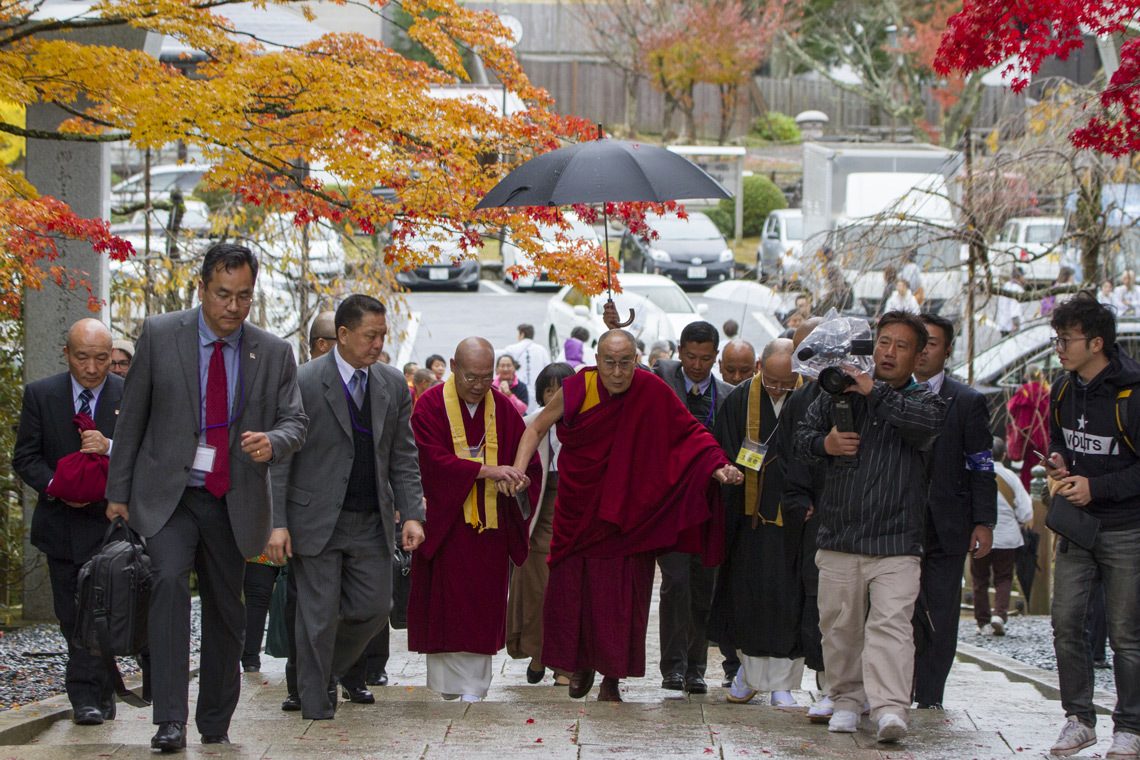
(758, 602)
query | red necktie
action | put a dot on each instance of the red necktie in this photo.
(217, 423)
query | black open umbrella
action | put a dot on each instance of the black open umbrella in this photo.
(603, 171)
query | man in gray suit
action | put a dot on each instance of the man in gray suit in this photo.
(686, 585)
(209, 403)
(341, 491)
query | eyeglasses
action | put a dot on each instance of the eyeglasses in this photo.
(623, 364)
(121, 363)
(1063, 343)
(477, 379)
(325, 337)
(241, 299)
(781, 387)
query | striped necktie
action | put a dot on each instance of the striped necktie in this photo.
(85, 399)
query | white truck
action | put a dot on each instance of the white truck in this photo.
(878, 206)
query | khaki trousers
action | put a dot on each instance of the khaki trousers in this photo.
(865, 609)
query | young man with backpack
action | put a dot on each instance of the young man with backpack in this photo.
(1092, 454)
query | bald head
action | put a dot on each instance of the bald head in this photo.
(88, 352)
(804, 330)
(617, 360)
(473, 368)
(776, 365)
(322, 334)
(612, 341)
(737, 361)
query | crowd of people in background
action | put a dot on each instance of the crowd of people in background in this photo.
(792, 527)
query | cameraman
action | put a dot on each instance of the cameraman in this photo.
(871, 527)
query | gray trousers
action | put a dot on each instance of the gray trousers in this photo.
(196, 537)
(344, 594)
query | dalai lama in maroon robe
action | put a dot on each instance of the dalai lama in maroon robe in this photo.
(637, 477)
(468, 436)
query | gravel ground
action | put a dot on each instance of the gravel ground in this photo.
(1029, 638)
(33, 658)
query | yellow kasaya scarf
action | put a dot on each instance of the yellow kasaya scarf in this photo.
(451, 405)
(753, 480)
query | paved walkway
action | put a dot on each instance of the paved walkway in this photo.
(988, 716)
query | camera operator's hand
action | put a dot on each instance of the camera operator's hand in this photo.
(839, 444)
(864, 383)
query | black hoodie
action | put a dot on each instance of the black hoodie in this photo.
(1089, 439)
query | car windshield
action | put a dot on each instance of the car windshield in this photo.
(1044, 233)
(669, 298)
(696, 227)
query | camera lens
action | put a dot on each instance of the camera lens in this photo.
(835, 381)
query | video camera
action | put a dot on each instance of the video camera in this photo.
(836, 343)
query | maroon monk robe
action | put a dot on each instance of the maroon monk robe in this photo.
(634, 481)
(458, 597)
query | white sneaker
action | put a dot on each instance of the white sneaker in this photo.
(739, 693)
(820, 712)
(891, 728)
(998, 624)
(471, 698)
(843, 722)
(1074, 737)
(782, 699)
(1124, 745)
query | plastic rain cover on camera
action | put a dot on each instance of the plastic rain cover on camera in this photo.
(829, 345)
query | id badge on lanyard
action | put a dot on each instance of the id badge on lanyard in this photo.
(204, 458)
(752, 454)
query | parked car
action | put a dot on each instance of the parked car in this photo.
(513, 255)
(163, 179)
(688, 251)
(1000, 369)
(778, 256)
(660, 307)
(1033, 243)
(448, 269)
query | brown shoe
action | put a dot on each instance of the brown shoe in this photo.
(581, 683)
(609, 691)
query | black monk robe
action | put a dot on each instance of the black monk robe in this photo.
(758, 599)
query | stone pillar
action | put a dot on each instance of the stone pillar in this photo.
(80, 175)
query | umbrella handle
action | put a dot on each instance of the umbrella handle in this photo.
(610, 316)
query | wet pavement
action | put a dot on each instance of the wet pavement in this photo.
(988, 715)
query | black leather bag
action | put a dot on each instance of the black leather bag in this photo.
(401, 586)
(1072, 522)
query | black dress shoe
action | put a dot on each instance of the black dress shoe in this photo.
(251, 668)
(291, 703)
(696, 685)
(171, 737)
(673, 682)
(215, 739)
(87, 715)
(359, 695)
(580, 683)
(376, 678)
(107, 708)
(534, 676)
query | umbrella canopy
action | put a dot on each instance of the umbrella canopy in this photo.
(603, 171)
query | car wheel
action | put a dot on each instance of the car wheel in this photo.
(645, 266)
(555, 346)
(473, 287)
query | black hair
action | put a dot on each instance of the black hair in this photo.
(1087, 314)
(552, 375)
(941, 323)
(580, 333)
(228, 256)
(910, 320)
(700, 332)
(527, 331)
(352, 310)
(514, 361)
(433, 359)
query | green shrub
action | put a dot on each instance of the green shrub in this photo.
(776, 127)
(761, 197)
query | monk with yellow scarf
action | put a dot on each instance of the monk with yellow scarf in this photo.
(467, 434)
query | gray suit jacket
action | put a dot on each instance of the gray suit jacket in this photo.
(312, 482)
(157, 432)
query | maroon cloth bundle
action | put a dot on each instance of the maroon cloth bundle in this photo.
(80, 478)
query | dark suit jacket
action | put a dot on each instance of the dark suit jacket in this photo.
(671, 371)
(159, 428)
(962, 496)
(45, 436)
(309, 486)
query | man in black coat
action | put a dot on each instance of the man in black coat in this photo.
(961, 509)
(686, 585)
(69, 533)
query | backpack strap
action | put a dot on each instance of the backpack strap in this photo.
(1057, 401)
(1122, 417)
(132, 698)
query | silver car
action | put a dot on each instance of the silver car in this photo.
(781, 243)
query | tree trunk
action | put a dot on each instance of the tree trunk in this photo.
(728, 96)
(630, 81)
(1090, 223)
(960, 115)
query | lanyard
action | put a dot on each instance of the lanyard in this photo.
(712, 403)
(357, 426)
(241, 398)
